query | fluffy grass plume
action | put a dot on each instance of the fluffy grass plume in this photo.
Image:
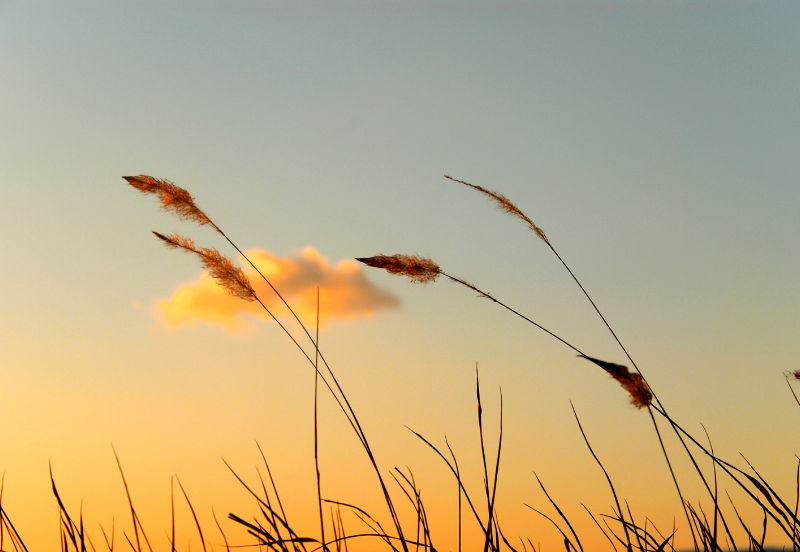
(173, 198)
(221, 268)
(633, 383)
(419, 269)
(506, 205)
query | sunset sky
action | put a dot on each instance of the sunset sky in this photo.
(656, 143)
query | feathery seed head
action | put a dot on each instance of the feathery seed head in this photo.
(221, 268)
(638, 390)
(173, 198)
(177, 241)
(506, 205)
(633, 383)
(227, 274)
(419, 269)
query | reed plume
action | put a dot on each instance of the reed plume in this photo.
(419, 269)
(173, 198)
(221, 268)
(506, 205)
(633, 383)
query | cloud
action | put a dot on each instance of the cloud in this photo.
(344, 293)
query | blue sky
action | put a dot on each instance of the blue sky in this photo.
(656, 144)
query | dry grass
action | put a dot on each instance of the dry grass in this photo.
(506, 205)
(271, 529)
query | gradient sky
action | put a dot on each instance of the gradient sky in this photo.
(655, 142)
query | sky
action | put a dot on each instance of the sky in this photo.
(654, 142)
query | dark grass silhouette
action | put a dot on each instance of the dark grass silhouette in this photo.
(271, 528)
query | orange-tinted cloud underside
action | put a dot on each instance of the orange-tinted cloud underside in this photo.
(344, 293)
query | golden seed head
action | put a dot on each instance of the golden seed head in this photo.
(221, 268)
(638, 390)
(506, 205)
(177, 241)
(227, 274)
(173, 198)
(419, 269)
(633, 383)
